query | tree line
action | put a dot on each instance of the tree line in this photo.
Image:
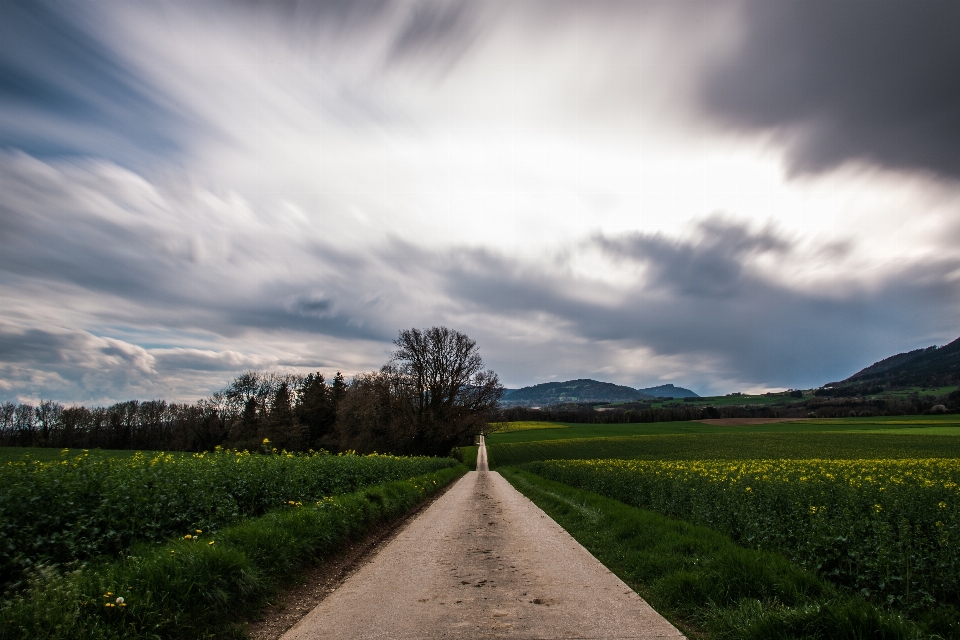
(816, 407)
(433, 395)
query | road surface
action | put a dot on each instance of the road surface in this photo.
(482, 562)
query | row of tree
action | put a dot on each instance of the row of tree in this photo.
(818, 406)
(433, 394)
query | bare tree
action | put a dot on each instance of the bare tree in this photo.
(442, 376)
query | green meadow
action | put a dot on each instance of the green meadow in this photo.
(819, 528)
(516, 431)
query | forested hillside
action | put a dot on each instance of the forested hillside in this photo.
(931, 367)
(586, 390)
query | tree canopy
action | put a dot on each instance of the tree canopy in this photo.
(448, 392)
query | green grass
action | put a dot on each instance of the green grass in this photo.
(188, 589)
(526, 425)
(706, 584)
(886, 529)
(84, 505)
(921, 431)
(570, 430)
(46, 454)
(731, 446)
(469, 456)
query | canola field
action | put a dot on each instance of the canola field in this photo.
(81, 506)
(887, 528)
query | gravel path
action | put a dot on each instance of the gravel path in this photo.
(483, 562)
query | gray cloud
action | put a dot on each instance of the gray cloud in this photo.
(703, 300)
(841, 81)
(63, 92)
(125, 267)
(275, 245)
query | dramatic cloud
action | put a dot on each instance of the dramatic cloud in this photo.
(846, 81)
(587, 189)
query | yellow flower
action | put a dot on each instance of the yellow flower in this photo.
(187, 537)
(211, 542)
(199, 531)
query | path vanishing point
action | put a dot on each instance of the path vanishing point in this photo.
(482, 562)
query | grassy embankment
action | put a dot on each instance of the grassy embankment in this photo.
(637, 544)
(204, 582)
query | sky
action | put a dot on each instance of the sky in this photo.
(727, 196)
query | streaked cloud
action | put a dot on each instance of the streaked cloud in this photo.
(615, 190)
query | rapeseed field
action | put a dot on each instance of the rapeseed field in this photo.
(889, 529)
(83, 506)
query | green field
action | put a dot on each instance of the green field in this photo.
(871, 505)
(570, 430)
(80, 506)
(204, 585)
(731, 446)
(46, 454)
(887, 529)
(706, 584)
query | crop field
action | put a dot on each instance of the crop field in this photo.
(527, 425)
(569, 430)
(82, 505)
(45, 454)
(888, 529)
(731, 446)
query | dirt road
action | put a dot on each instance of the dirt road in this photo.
(483, 562)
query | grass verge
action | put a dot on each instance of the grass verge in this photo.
(202, 587)
(702, 581)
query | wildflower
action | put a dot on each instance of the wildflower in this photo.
(211, 542)
(199, 531)
(187, 537)
(942, 505)
(120, 601)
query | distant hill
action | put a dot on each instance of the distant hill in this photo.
(930, 367)
(585, 390)
(668, 391)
